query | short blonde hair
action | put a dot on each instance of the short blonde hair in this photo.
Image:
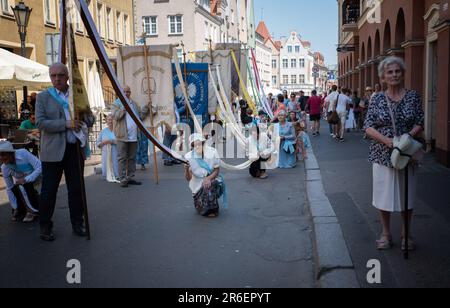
(390, 61)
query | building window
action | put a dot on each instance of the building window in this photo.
(293, 63)
(302, 63)
(289, 49)
(297, 49)
(50, 12)
(285, 63)
(274, 80)
(78, 23)
(294, 79)
(109, 24)
(51, 48)
(285, 79)
(180, 55)
(119, 36)
(150, 25)
(100, 20)
(126, 37)
(176, 24)
(274, 63)
(6, 7)
(302, 79)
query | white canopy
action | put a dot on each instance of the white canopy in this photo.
(17, 71)
(95, 92)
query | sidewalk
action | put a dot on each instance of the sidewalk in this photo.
(347, 178)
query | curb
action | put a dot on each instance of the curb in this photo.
(334, 266)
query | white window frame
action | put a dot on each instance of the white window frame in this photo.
(293, 63)
(274, 63)
(293, 79)
(79, 27)
(289, 49)
(150, 25)
(126, 28)
(101, 19)
(274, 80)
(302, 63)
(110, 33)
(177, 23)
(119, 27)
(302, 77)
(50, 15)
(7, 10)
(285, 63)
(51, 47)
(297, 48)
(285, 79)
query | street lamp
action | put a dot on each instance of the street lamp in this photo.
(22, 14)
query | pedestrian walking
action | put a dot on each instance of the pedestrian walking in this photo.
(331, 102)
(314, 106)
(343, 103)
(393, 113)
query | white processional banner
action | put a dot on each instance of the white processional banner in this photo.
(132, 72)
(221, 58)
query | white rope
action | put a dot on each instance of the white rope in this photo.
(235, 130)
(232, 121)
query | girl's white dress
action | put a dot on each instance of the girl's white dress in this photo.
(350, 123)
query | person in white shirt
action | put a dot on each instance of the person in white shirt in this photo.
(203, 174)
(330, 102)
(343, 102)
(126, 132)
(20, 170)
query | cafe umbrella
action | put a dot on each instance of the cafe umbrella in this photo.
(17, 72)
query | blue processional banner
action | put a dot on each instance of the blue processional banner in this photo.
(197, 90)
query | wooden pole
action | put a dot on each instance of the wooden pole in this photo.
(148, 73)
(67, 31)
(185, 77)
(406, 252)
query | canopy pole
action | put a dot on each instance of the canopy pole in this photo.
(148, 73)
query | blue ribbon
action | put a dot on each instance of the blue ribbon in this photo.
(203, 164)
(57, 98)
(21, 168)
(288, 147)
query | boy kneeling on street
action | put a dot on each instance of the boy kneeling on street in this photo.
(21, 170)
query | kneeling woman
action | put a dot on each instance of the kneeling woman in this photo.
(203, 174)
(21, 170)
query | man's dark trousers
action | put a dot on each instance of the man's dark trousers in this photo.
(51, 177)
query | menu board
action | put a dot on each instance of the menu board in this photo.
(8, 104)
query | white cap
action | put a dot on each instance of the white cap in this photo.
(196, 137)
(6, 147)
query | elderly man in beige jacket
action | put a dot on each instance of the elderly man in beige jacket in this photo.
(126, 132)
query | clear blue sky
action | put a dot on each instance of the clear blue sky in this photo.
(315, 20)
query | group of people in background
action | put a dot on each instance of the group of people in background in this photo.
(349, 108)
